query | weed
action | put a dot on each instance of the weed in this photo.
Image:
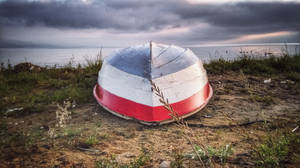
(32, 138)
(99, 123)
(63, 115)
(34, 90)
(139, 162)
(142, 160)
(266, 100)
(107, 163)
(104, 136)
(92, 140)
(25, 141)
(249, 65)
(221, 154)
(182, 126)
(71, 92)
(93, 66)
(3, 125)
(295, 76)
(276, 150)
(71, 132)
(52, 132)
(178, 159)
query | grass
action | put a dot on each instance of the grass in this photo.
(26, 141)
(91, 140)
(249, 65)
(278, 149)
(206, 155)
(294, 76)
(140, 161)
(32, 138)
(266, 100)
(220, 154)
(34, 90)
(178, 159)
(70, 132)
(99, 123)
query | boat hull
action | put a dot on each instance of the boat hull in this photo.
(151, 115)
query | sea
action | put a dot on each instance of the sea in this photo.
(49, 57)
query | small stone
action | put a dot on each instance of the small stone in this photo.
(165, 164)
(290, 82)
(268, 80)
(74, 104)
(129, 155)
(164, 129)
(207, 116)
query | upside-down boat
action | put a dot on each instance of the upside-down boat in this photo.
(125, 83)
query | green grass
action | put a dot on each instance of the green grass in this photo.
(3, 126)
(220, 154)
(70, 132)
(140, 161)
(272, 65)
(278, 149)
(32, 138)
(34, 90)
(25, 141)
(178, 159)
(295, 76)
(92, 140)
(99, 123)
(266, 100)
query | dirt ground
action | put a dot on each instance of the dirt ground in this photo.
(244, 98)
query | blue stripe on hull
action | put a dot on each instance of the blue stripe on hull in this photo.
(134, 60)
(165, 60)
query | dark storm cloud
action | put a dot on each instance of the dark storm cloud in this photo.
(226, 20)
(76, 14)
(56, 14)
(274, 15)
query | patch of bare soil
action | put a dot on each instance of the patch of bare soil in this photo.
(93, 133)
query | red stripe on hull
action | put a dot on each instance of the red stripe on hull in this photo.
(147, 113)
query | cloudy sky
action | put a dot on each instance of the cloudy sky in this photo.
(94, 23)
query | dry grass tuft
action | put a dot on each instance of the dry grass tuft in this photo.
(186, 131)
(63, 115)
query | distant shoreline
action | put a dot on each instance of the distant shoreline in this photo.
(187, 46)
(61, 56)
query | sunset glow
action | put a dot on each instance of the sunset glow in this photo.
(265, 35)
(235, 1)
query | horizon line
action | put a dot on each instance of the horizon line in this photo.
(191, 46)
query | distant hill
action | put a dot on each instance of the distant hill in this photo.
(23, 44)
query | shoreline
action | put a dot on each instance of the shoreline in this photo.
(60, 57)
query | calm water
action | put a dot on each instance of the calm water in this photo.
(60, 57)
